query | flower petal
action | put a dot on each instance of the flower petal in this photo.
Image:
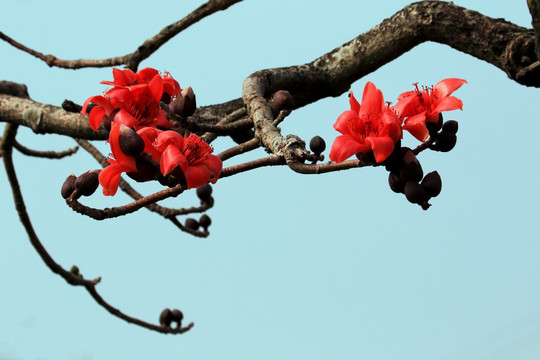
(196, 176)
(355, 106)
(448, 103)
(447, 86)
(109, 178)
(344, 147)
(171, 158)
(343, 121)
(416, 126)
(372, 100)
(382, 147)
(125, 118)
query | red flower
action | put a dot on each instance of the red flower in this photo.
(367, 126)
(127, 78)
(119, 163)
(134, 99)
(190, 154)
(418, 107)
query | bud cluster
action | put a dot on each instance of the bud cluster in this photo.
(168, 317)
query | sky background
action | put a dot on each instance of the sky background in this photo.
(297, 266)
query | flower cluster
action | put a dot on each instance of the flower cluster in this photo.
(372, 130)
(140, 147)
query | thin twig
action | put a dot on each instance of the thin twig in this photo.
(71, 278)
(133, 59)
(272, 160)
(239, 149)
(49, 154)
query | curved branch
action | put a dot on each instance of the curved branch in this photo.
(49, 154)
(503, 44)
(71, 277)
(132, 60)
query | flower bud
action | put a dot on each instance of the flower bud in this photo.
(130, 142)
(165, 318)
(204, 192)
(410, 170)
(432, 183)
(396, 184)
(445, 141)
(68, 186)
(87, 183)
(192, 224)
(185, 104)
(205, 221)
(415, 192)
(177, 316)
(283, 100)
(317, 145)
(450, 126)
(242, 135)
(74, 270)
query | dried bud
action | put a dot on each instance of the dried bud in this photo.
(204, 192)
(205, 221)
(177, 316)
(87, 183)
(130, 142)
(415, 192)
(283, 100)
(396, 184)
(410, 170)
(192, 224)
(445, 141)
(165, 318)
(450, 126)
(242, 135)
(185, 104)
(74, 270)
(432, 183)
(317, 145)
(69, 186)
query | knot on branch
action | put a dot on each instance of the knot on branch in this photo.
(293, 148)
(50, 59)
(519, 60)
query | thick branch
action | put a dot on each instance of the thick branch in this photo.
(503, 44)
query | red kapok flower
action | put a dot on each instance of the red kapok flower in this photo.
(191, 154)
(418, 107)
(135, 97)
(109, 177)
(367, 126)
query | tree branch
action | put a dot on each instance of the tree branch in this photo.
(132, 60)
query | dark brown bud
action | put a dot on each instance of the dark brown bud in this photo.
(450, 126)
(130, 142)
(74, 270)
(204, 192)
(146, 171)
(185, 104)
(366, 158)
(445, 141)
(87, 183)
(242, 135)
(283, 100)
(396, 184)
(410, 170)
(205, 221)
(165, 318)
(68, 186)
(415, 192)
(192, 224)
(432, 183)
(177, 316)
(317, 145)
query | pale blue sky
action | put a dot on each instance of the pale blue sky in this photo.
(297, 267)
